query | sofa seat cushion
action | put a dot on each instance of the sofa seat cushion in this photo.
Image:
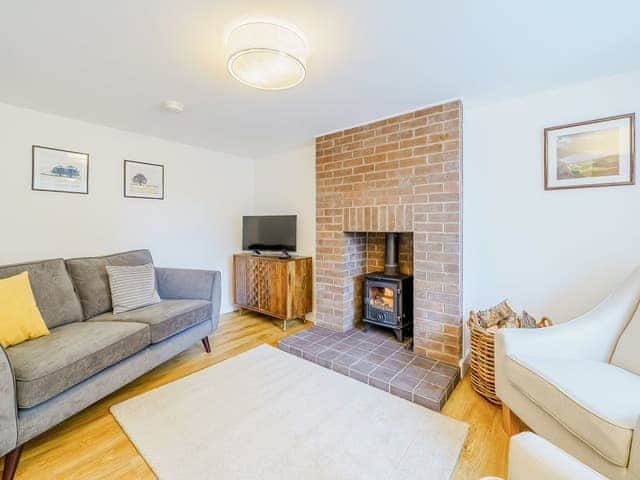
(165, 318)
(597, 402)
(46, 366)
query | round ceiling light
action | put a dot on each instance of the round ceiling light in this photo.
(266, 55)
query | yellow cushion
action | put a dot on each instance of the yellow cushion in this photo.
(20, 318)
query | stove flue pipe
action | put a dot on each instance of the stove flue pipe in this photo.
(391, 254)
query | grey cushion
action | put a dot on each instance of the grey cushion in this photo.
(52, 289)
(165, 318)
(90, 278)
(46, 366)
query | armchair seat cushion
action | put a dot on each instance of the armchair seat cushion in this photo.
(596, 401)
(47, 366)
(165, 318)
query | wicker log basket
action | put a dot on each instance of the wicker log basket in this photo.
(483, 327)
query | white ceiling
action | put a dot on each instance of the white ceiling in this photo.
(114, 62)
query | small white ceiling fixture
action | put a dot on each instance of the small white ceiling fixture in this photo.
(173, 106)
(266, 55)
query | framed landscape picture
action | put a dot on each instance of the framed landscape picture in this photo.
(56, 170)
(596, 153)
(143, 180)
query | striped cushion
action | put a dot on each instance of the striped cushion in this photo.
(132, 287)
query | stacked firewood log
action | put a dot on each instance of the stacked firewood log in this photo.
(504, 316)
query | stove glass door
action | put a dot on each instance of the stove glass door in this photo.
(381, 297)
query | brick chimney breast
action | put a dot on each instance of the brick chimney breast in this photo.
(402, 174)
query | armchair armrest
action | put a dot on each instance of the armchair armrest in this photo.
(533, 458)
(592, 336)
(8, 406)
(574, 339)
(183, 283)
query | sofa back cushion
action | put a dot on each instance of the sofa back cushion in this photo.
(627, 352)
(90, 277)
(52, 289)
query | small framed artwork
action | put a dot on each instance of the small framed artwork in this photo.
(596, 153)
(56, 170)
(143, 180)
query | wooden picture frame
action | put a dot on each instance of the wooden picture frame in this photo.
(594, 153)
(143, 180)
(58, 170)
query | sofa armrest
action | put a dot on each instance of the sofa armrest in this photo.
(183, 283)
(533, 458)
(8, 406)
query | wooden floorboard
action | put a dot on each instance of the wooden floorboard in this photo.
(92, 445)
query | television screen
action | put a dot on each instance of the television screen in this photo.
(269, 232)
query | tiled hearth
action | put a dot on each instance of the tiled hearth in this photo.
(378, 359)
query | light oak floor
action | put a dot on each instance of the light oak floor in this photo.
(91, 445)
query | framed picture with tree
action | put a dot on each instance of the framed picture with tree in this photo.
(57, 170)
(143, 180)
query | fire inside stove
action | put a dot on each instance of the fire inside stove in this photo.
(381, 298)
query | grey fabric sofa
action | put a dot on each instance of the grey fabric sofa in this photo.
(91, 352)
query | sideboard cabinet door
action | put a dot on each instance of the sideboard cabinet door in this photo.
(273, 288)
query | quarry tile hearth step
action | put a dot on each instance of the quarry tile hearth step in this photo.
(377, 359)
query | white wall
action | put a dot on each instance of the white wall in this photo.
(554, 253)
(197, 225)
(286, 184)
(550, 252)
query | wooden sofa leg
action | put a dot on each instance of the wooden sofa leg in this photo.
(510, 421)
(206, 344)
(11, 460)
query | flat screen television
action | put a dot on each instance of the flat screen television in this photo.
(269, 232)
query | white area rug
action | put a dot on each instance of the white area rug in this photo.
(266, 414)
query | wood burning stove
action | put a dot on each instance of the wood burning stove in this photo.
(388, 295)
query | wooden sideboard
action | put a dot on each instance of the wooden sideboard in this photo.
(274, 286)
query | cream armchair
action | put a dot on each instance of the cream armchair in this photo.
(533, 458)
(577, 384)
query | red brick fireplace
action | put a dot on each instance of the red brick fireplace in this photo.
(402, 174)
